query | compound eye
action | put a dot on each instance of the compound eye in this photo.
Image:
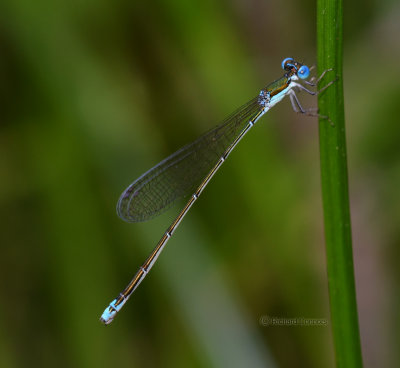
(285, 62)
(303, 72)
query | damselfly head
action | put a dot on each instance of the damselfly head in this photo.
(290, 65)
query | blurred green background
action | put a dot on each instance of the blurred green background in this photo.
(93, 93)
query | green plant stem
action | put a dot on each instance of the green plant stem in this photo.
(335, 196)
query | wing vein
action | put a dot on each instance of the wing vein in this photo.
(182, 172)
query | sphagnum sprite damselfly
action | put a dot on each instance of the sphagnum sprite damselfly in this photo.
(189, 170)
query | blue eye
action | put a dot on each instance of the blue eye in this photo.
(285, 61)
(303, 72)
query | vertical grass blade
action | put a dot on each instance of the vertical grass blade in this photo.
(335, 189)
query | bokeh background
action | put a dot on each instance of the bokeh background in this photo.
(93, 93)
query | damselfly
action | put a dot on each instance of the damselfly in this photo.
(190, 169)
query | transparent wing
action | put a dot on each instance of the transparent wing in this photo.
(181, 173)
